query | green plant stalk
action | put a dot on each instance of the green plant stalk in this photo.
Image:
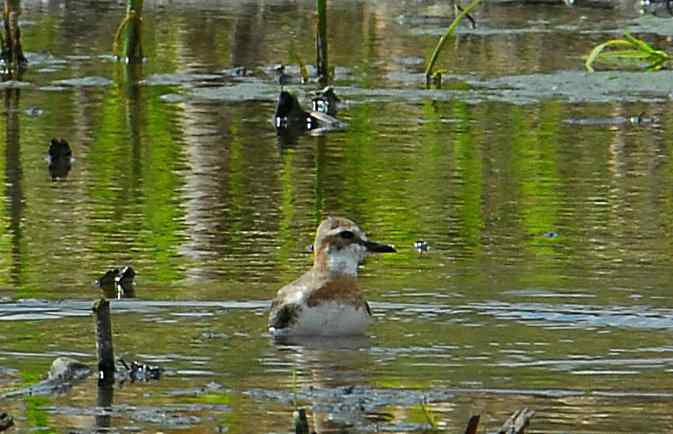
(429, 417)
(295, 57)
(321, 40)
(634, 49)
(449, 32)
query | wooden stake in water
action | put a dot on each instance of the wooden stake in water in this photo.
(104, 350)
(472, 425)
(321, 42)
(12, 52)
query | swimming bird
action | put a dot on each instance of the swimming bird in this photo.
(326, 300)
(290, 115)
(325, 101)
(59, 157)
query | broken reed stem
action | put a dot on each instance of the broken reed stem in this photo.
(472, 425)
(104, 349)
(321, 42)
(449, 32)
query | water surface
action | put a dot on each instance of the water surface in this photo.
(545, 202)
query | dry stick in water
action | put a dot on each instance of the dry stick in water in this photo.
(104, 350)
(472, 425)
(517, 422)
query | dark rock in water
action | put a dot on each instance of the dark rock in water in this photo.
(118, 282)
(6, 421)
(326, 101)
(60, 158)
(65, 370)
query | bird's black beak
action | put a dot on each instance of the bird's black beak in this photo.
(375, 247)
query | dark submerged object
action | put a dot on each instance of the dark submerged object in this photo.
(118, 282)
(60, 158)
(326, 101)
(6, 421)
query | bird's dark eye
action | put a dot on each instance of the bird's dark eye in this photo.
(347, 235)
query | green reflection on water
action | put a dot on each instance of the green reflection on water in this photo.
(35, 415)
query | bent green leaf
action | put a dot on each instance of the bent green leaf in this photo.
(631, 49)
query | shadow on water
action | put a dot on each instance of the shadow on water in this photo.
(13, 179)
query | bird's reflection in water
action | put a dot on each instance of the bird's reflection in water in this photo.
(332, 374)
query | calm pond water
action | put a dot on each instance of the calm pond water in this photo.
(548, 209)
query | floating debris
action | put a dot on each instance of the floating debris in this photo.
(137, 371)
(658, 8)
(640, 119)
(517, 422)
(59, 157)
(34, 111)
(421, 246)
(550, 234)
(238, 71)
(83, 82)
